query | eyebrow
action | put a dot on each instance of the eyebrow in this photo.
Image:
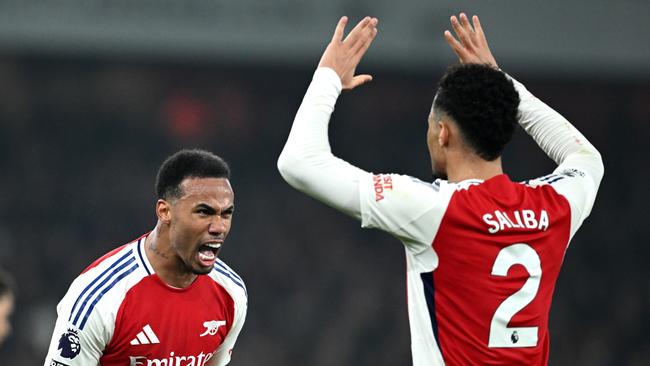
(212, 210)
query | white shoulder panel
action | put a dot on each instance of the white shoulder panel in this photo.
(235, 286)
(87, 312)
(406, 207)
(576, 185)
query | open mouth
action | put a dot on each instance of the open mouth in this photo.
(208, 253)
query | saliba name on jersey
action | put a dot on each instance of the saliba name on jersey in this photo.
(524, 219)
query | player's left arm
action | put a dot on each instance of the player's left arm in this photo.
(580, 165)
(224, 352)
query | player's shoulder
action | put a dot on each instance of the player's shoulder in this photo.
(106, 279)
(546, 180)
(130, 255)
(409, 180)
(559, 177)
(446, 189)
(382, 188)
(225, 276)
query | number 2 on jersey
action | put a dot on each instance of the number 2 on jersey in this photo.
(501, 336)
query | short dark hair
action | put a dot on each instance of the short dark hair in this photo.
(484, 104)
(188, 164)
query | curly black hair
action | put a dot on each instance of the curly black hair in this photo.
(188, 164)
(483, 102)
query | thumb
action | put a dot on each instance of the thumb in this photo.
(359, 80)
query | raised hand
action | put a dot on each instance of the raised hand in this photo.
(471, 46)
(343, 55)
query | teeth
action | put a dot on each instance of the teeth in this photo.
(214, 246)
(206, 256)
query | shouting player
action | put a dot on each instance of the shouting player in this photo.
(483, 253)
(166, 298)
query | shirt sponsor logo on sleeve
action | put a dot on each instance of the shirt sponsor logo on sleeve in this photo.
(69, 344)
(381, 183)
(572, 173)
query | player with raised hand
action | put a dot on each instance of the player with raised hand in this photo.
(344, 54)
(483, 253)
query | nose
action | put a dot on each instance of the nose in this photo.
(219, 225)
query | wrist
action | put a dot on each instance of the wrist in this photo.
(328, 74)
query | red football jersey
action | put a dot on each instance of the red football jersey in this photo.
(482, 260)
(119, 312)
(482, 257)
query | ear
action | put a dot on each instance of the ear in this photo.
(163, 211)
(443, 133)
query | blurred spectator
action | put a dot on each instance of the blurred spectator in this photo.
(6, 304)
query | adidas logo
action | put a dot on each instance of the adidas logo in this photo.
(146, 336)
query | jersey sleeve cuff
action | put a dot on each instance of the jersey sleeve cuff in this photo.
(329, 77)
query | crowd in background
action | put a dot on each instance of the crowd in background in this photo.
(80, 142)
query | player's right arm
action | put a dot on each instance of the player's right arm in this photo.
(388, 202)
(580, 165)
(306, 162)
(71, 344)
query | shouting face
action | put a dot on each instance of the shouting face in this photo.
(199, 221)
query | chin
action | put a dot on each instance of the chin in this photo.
(202, 270)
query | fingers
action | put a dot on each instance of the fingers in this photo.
(469, 44)
(465, 23)
(340, 29)
(344, 53)
(455, 45)
(357, 32)
(477, 27)
(463, 29)
(452, 41)
(480, 35)
(365, 39)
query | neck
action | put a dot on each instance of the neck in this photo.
(469, 166)
(164, 259)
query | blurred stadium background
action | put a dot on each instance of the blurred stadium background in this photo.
(94, 94)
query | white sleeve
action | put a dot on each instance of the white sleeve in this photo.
(71, 345)
(223, 354)
(407, 208)
(307, 163)
(580, 165)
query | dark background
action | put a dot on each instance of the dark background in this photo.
(81, 141)
(82, 136)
